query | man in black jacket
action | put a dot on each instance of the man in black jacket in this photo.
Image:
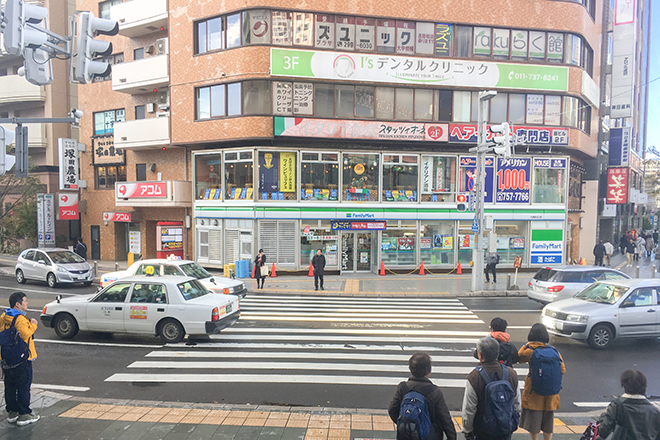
(318, 264)
(420, 368)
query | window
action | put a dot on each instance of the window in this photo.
(511, 237)
(208, 177)
(233, 99)
(423, 104)
(117, 58)
(517, 108)
(584, 117)
(319, 176)
(106, 176)
(104, 122)
(278, 239)
(138, 54)
(555, 47)
(233, 30)
(463, 41)
(400, 178)
(499, 108)
(398, 246)
(385, 103)
(438, 178)
(256, 26)
(403, 107)
(549, 185)
(552, 110)
(140, 112)
(315, 235)
(482, 41)
(104, 8)
(209, 35)
(149, 294)
(238, 175)
(642, 297)
(211, 102)
(364, 102)
(256, 98)
(360, 177)
(116, 293)
(141, 172)
(345, 101)
(445, 105)
(462, 104)
(277, 175)
(571, 111)
(324, 100)
(192, 289)
(436, 244)
(534, 109)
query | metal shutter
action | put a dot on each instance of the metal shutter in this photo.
(232, 246)
(215, 245)
(278, 240)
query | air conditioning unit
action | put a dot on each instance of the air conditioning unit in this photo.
(164, 100)
(151, 107)
(162, 46)
(162, 114)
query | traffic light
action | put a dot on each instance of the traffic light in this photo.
(6, 138)
(502, 139)
(19, 34)
(21, 169)
(37, 67)
(84, 47)
(461, 202)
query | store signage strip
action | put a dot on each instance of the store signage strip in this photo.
(117, 217)
(343, 225)
(137, 190)
(467, 133)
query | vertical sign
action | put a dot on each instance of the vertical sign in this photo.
(303, 98)
(287, 172)
(623, 62)
(617, 186)
(282, 98)
(620, 146)
(40, 219)
(513, 177)
(68, 149)
(425, 42)
(49, 219)
(135, 242)
(547, 246)
(468, 167)
(258, 24)
(68, 206)
(345, 33)
(443, 39)
(325, 31)
(427, 174)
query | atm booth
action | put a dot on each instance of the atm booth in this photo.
(169, 239)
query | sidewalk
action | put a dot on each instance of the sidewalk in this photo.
(64, 416)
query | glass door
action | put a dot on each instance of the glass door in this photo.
(362, 251)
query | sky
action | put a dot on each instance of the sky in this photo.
(653, 125)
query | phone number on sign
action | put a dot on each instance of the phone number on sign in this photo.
(533, 76)
(513, 197)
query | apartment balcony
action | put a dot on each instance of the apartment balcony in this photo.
(138, 18)
(16, 89)
(165, 194)
(143, 134)
(141, 76)
(36, 134)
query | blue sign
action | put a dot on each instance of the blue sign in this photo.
(468, 167)
(547, 259)
(475, 225)
(619, 146)
(513, 178)
(550, 163)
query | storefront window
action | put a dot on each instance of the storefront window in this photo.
(238, 175)
(549, 185)
(207, 177)
(438, 179)
(466, 240)
(436, 245)
(314, 237)
(398, 247)
(511, 240)
(319, 176)
(277, 175)
(399, 178)
(360, 177)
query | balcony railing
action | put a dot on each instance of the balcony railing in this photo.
(143, 134)
(141, 76)
(14, 88)
(138, 18)
(166, 193)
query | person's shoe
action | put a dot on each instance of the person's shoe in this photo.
(12, 416)
(322, 288)
(487, 281)
(492, 282)
(26, 419)
(316, 288)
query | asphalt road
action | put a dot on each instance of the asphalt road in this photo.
(104, 365)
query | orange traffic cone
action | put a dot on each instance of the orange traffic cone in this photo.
(584, 262)
(458, 269)
(311, 270)
(273, 274)
(253, 270)
(382, 268)
(421, 269)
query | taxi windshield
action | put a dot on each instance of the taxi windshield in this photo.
(194, 270)
(65, 257)
(192, 289)
(602, 293)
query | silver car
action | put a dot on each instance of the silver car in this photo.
(607, 310)
(551, 284)
(54, 266)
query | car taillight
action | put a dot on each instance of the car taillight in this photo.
(44, 310)
(225, 291)
(555, 288)
(215, 315)
(530, 284)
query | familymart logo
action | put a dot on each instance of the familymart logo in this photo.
(360, 215)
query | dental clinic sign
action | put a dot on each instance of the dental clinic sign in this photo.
(416, 70)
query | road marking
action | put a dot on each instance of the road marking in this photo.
(97, 344)
(352, 286)
(351, 299)
(591, 404)
(301, 355)
(357, 331)
(317, 346)
(59, 387)
(401, 339)
(41, 291)
(314, 318)
(357, 308)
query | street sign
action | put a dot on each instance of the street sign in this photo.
(475, 225)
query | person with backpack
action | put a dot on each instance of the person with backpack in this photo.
(508, 353)
(491, 266)
(540, 397)
(18, 370)
(491, 404)
(418, 407)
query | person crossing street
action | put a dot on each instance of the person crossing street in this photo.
(318, 264)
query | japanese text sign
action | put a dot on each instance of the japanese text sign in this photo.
(467, 133)
(117, 217)
(141, 190)
(468, 166)
(68, 206)
(104, 151)
(513, 176)
(68, 150)
(617, 186)
(345, 225)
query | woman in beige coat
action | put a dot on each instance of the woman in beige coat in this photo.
(538, 411)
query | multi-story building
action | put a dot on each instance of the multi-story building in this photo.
(234, 126)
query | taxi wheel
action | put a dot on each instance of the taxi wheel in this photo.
(171, 331)
(601, 336)
(51, 280)
(66, 326)
(20, 278)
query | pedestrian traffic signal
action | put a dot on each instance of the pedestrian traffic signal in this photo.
(461, 202)
(84, 47)
(19, 30)
(37, 67)
(6, 138)
(502, 139)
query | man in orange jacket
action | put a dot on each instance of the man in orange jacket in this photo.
(18, 380)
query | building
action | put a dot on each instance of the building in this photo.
(229, 127)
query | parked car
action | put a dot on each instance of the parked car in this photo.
(551, 284)
(607, 310)
(184, 268)
(169, 307)
(54, 266)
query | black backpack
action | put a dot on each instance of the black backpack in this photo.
(13, 349)
(414, 422)
(500, 416)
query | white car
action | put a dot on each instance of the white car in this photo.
(169, 307)
(54, 266)
(184, 268)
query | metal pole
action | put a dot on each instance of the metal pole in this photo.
(637, 272)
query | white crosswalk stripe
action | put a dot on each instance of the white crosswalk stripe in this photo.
(357, 340)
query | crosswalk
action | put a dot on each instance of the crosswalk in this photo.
(323, 340)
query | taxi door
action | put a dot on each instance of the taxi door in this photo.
(147, 306)
(638, 313)
(106, 311)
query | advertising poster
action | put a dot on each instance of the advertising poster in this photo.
(443, 40)
(68, 206)
(467, 171)
(425, 243)
(447, 242)
(269, 164)
(389, 244)
(513, 176)
(466, 241)
(287, 172)
(406, 243)
(516, 243)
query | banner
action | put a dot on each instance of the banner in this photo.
(617, 186)
(269, 165)
(467, 133)
(68, 155)
(620, 146)
(427, 174)
(141, 190)
(287, 172)
(513, 178)
(68, 206)
(468, 168)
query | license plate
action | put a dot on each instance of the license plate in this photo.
(559, 325)
(228, 308)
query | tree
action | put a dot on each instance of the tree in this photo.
(18, 209)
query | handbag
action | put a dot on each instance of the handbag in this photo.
(263, 270)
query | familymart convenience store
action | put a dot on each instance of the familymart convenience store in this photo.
(357, 241)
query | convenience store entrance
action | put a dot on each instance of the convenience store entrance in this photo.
(356, 251)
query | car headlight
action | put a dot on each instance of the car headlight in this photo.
(577, 318)
(62, 269)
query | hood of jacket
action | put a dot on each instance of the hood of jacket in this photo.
(14, 312)
(501, 336)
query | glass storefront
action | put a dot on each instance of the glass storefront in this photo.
(238, 175)
(399, 178)
(360, 177)
(316, 235)
(277, 175)
(438, 178)
(549, 185)
(436, 243)
(319, 176)
(207, 170)
(399, 246)
(512, 239)
(465, 242)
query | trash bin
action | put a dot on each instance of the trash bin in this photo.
(227, 268)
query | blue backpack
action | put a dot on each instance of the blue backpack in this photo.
(13, 349)
(414, 422)
(545, 371)
(500, 415)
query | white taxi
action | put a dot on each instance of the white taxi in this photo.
(183, 268)
(169, 307)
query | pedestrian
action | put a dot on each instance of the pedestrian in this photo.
(491, 264)
(508, 353)
(420, 369)
(655, 236)
(318, 264)
(632, 412)
(640, 247)
(599, 252)
(261, 270)
(81, 248)
(537, 409)
(630, 252)
(18, 380)
(476, 425)
(623, 243)
(650, 245)
(609, 250)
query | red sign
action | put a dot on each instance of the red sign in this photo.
(68, 206)
(116, 216)
(141, 190)
(368, 225)
(617, 186)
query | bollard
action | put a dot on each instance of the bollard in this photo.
(96, 268)
(116, 266)
(508, 281)
(652, 271)
(637, 272)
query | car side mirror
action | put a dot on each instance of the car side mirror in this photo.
(627, 304)
(42, 262)
(213, 280)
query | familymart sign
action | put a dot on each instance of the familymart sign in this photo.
(416, 70)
